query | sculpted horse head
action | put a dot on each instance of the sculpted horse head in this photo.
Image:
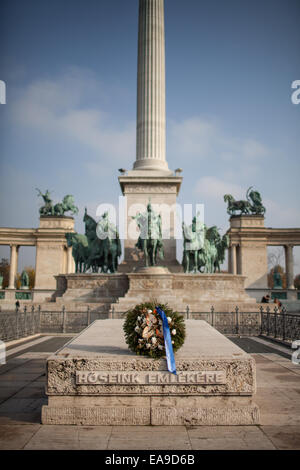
(228, 198)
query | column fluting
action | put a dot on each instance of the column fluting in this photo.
(151, 94)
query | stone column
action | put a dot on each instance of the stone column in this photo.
(233, 259)
(151, 109)
(69, 260)
(13, 264)
(17, 259)
(289, 266)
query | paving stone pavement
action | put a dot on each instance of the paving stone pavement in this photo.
(22, 383)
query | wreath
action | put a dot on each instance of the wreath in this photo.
(143, 328)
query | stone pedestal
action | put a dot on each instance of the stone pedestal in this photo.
(140, 187)
(198, 291)
(96, 380)
(95, 290)
(51, 250)
(119, 292)
(248, 250)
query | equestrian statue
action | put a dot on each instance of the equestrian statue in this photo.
(98, 249)
(203, 248)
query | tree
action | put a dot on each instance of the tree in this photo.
(297, 281)
(4, 270)
(275, 257)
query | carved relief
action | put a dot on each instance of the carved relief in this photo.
(147, 284)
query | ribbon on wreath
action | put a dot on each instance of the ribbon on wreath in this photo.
(168, 341)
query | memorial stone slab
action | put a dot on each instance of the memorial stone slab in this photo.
(96, 380)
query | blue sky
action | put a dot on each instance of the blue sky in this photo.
(69, 121)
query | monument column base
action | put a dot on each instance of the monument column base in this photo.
(140, 187)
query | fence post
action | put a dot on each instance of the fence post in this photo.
(187, 312)
(237, 320)
(64, 319)
(25, 321)
(268, 321)
(212, 310)
(261, 319)
(283, 324)
(17, 323)
(275, 321)
(32, 320)
(88, 316)
(39, 320)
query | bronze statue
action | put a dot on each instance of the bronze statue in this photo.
(203, 248)
(103, 245)
(255, 200)
(252, 205)
(24, 280)
(193, 237)
(80, 252)
(150, 239)
(110, 243)
(67, 205)
(277, 279)
(48, 208)
(233, 205)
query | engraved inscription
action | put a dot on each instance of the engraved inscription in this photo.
(150, 378)
(143, 188)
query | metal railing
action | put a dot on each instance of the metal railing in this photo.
(277, 324)
(280, 324)
(27, 322)
(228, 323)
(19, 324)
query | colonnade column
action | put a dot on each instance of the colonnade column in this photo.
(151, 108)
(13, 265)
(289, 266)
(233, 259)
(69, 260)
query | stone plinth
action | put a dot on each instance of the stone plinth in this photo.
(162, 191)
(51, 250)
(247, 221)
(96, 380)
(91, 287)
(119, 292)
(248, 249)
(199, 291)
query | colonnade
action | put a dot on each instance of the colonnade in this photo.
(235, 264)
(14, 258)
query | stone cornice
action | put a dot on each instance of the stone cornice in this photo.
(272, 236)
(31, 236)
(150, 180)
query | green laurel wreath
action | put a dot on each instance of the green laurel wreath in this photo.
(150, 342)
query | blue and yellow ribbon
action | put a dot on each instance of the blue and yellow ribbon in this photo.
(168, 341)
